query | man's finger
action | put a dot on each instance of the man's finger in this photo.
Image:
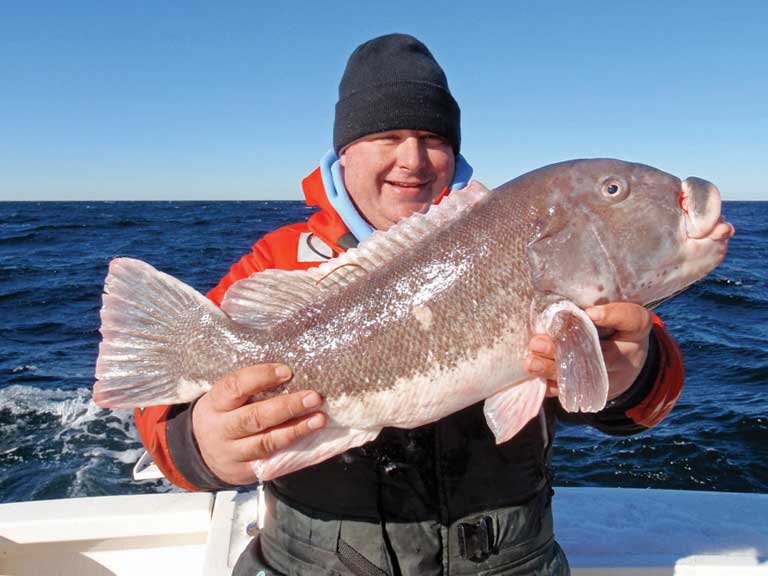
(630, 321)
(619, 356)
(539, 366)
(234, 389)
(263, 445)
(552, 390)
(542, 345)
(260, 416)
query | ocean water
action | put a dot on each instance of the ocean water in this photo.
(55, 443)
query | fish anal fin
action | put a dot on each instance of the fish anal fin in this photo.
(312, 449)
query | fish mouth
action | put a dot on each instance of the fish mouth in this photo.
(705, 226)
(704, 233)
(701, 203)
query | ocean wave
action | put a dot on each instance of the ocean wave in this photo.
(62, 444)
(69, 406)
(734, 300)
(25, 368)
(728, 282)
(649, 461)
(17, 239)
(72, 411)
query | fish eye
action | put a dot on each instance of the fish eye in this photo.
(614, 188)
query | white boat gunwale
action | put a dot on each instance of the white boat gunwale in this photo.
(604, 531)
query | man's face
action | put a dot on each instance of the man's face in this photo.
(391, 175)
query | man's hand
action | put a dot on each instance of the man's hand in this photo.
(624, 351)
(231, 432)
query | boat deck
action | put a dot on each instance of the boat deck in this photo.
(604, 531)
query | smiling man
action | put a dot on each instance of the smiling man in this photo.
(393, 174)
(440, 499)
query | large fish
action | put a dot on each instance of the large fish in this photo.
(431, 316)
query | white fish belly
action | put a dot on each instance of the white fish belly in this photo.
(435, 393)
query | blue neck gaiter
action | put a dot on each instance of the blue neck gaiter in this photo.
(330, 169)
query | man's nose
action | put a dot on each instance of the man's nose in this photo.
(411, 153)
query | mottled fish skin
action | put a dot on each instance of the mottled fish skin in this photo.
(442, 323)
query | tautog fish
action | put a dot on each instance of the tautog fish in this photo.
(431, 316)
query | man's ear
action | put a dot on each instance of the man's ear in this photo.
(343, 158)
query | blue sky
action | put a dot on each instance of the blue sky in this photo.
(235, 100)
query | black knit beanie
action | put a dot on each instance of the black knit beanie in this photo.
(394, 83)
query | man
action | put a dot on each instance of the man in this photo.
(440, 499)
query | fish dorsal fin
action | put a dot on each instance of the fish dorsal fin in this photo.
(267, 298)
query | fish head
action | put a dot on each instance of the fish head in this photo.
(609, 230)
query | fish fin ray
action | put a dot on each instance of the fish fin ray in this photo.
(316, 447)
(269, 297)
(141, 312)
(582, 379)
(507, 411)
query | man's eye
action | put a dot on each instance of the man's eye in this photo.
(434, 141)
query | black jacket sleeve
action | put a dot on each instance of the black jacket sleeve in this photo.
(185, 452)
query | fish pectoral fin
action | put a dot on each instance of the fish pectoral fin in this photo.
(312, 449)
(506, 412)
(582, 379)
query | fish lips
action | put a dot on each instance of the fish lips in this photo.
(701, 203)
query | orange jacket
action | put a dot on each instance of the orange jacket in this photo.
(166, 430)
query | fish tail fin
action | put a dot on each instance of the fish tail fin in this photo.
(146, 322)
